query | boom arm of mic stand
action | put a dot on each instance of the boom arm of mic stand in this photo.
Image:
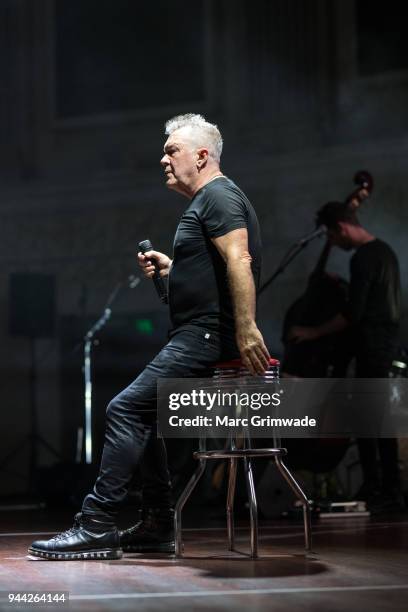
(290, 255)
(293, 252)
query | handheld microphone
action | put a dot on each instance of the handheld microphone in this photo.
(144, 247)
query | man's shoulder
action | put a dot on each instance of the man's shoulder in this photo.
(221, 183)
(222, 191)
(375, 246)
(372, 251)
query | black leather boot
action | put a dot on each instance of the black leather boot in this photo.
(90, 538)
(153, 533)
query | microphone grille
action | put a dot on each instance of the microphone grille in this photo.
(145, 245)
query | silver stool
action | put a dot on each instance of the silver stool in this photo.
(222, 372)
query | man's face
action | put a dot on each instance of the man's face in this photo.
(179, 162)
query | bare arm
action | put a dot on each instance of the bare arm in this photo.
(233, 247)
(334, 325)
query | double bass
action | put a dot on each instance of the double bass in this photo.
(329, 356)
(325, 296)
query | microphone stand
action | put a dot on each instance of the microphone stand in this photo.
(88, 342)
(293, 252)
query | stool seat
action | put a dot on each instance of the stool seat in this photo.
(237, 364)
(240, 452)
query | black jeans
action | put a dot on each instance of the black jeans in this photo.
(131, 422)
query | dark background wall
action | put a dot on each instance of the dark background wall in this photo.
(306, 92)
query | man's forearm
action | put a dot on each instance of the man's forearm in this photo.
(233, 247)
(164, 272)
(242, 288)
(337, 324)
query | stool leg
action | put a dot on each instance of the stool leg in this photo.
(253, 510)
(230, 502)
(298, 491)
(180, 504)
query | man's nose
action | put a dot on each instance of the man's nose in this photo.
(164, 160)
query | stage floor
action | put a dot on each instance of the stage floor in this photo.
(359, 564)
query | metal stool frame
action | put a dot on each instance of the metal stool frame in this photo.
(233, 454)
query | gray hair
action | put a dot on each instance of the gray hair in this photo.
(203, 133)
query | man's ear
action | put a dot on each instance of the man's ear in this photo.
(202, 156)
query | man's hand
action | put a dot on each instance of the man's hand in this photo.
(254, 354)
(297, 333)
(160, 259)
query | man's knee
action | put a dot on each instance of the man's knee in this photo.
(135, 403)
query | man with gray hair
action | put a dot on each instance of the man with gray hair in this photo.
(212, 283)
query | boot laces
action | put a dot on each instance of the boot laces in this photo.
(72, 530)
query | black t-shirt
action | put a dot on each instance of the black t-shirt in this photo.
(375, 301)
(198, 285)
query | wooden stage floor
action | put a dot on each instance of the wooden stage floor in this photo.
(360, 564)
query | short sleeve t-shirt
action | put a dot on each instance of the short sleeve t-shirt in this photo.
(198, 284)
